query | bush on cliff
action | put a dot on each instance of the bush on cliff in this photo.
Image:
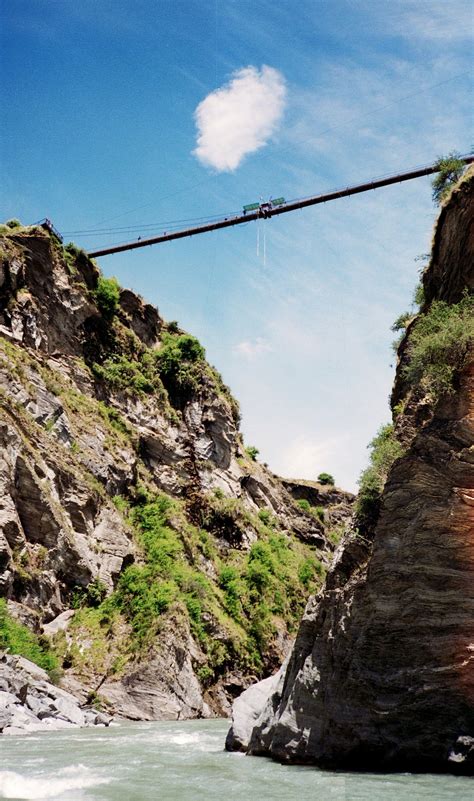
(384, 448)
(252, 452)
(180, 363)
(128, 374)
(450, 168)
(107, 296)
(439, 345)
(326, 479)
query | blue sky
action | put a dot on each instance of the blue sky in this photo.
(100, 131)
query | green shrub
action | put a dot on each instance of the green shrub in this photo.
(13, 223)
(419, 294)
(401, 322)
(224, 517)
(252, 452)
(107, 296)
(178, 349)
(18, 639)
(320, 513)
(307, 571)
(138, 377)
(304, 504)
(261, 626)
(326, 479)
(257, 576)
(233, 586)
(143, 597)
(145, 592)
(439, 344)
(180, 365)
(450, 168)
(114, 418)
(384, 448)
(205, 674)
(315, 511)
(96, 592)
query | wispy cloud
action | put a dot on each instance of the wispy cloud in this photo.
(250, 349)
(437, 20)
(383, 111)
(240, 117)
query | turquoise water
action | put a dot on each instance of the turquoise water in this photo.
(186, 762)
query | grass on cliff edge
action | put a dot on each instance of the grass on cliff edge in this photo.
(18, 639)
(439, 344)
(384, 449)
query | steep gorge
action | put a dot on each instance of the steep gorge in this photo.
(381, 675)
(162, 568)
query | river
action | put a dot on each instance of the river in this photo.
(186, 762)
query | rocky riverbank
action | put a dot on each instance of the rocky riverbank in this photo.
(29, 702)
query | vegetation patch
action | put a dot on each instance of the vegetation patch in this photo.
(449, 170)
(326, 479)
(315, 511)
(252, 452)
(384, 449)
(251, 590)
(18, 639)
(439, 345)
(140, 376)
(180, 363)
(107, 296)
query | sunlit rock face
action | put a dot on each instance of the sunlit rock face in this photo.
(382, 671)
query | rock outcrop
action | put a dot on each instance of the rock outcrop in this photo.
(381, 675)
(30, 703)
(126, 490)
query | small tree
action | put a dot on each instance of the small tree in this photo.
(450, 168)
(326, 479)
(252, 451)
(13, 223)
(107, 296)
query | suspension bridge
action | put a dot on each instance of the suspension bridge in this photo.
(266, 210)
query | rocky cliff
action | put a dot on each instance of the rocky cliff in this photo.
(158, 565)
(382, 672)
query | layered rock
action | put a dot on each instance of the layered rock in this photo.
(382, 672)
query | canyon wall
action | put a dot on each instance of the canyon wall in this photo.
(382, 672)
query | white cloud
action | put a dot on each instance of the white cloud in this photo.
(252, 348)
(240, 117)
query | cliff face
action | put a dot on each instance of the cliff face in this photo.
(382, 672)
(163, 567)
